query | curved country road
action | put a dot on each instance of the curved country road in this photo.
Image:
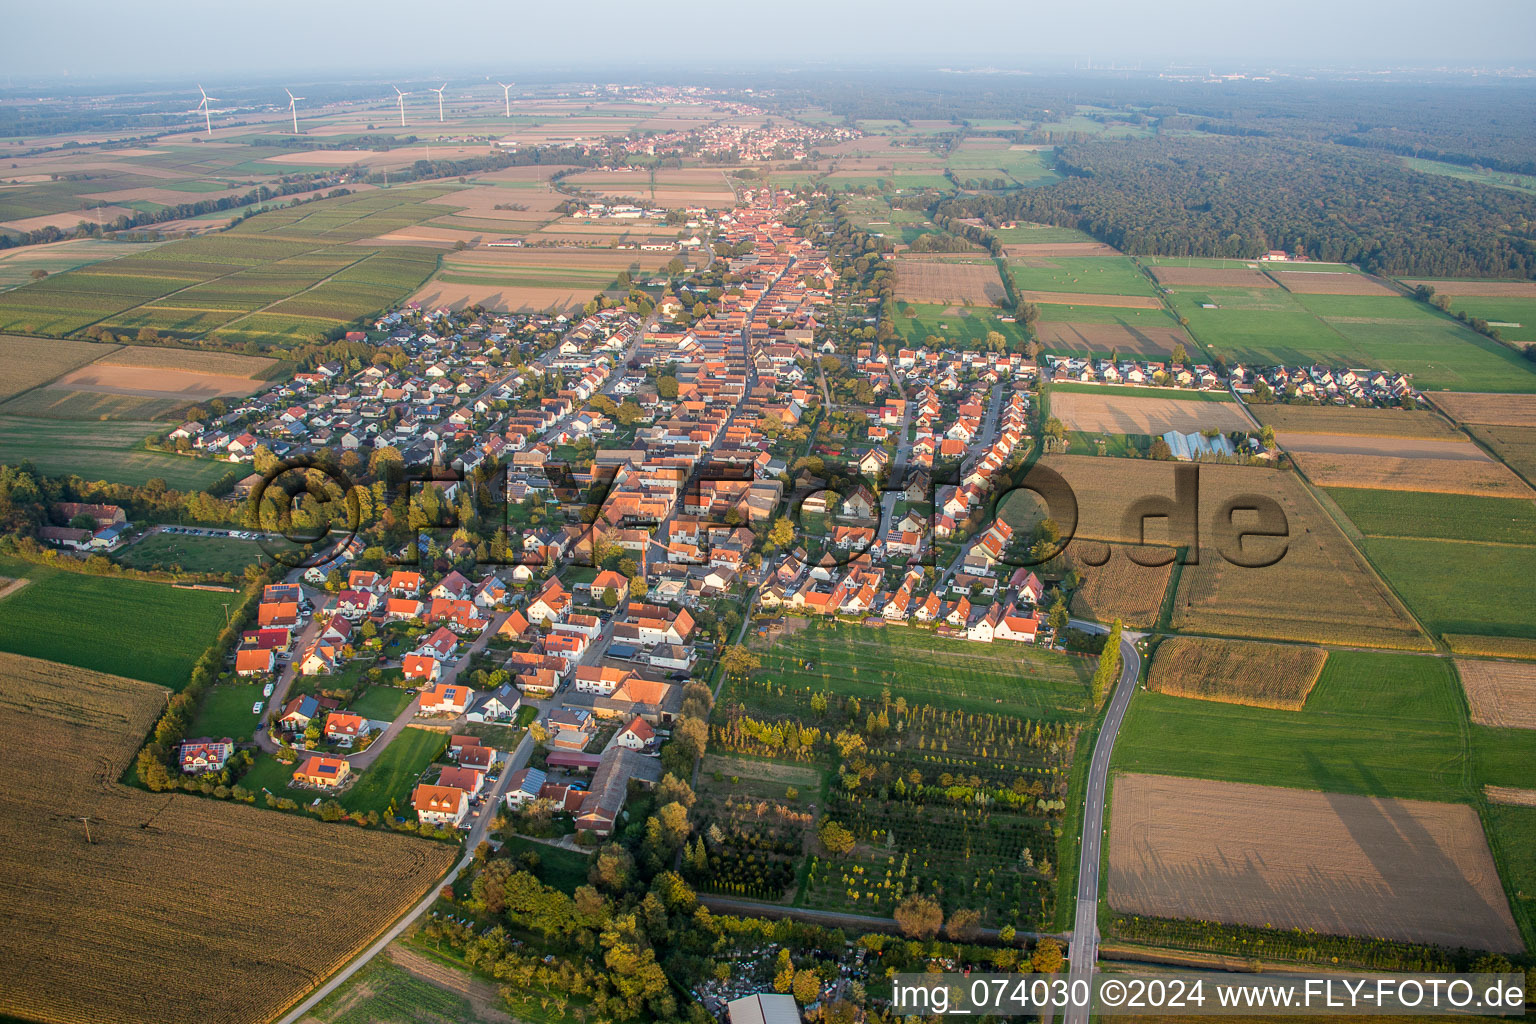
(1083, 952)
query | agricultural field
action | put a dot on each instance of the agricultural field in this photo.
(1175, 276)
(1120, 588)
(1374, 724)
(122, 898)
(518, 280)
(1331, 282)
(1475, 476)
(1002, 722)
(1026, 233)
(1328, 419)
(31, 362)
(18, 265)
(1112, 276)
(108, 450)
(986, 159)
(1391, 513)
(1516, 446)
(1109, 412)
(1396, 333)
(1318, 590)
(1491, 410)
(279, 277)
(954, 326)
(1236, 671)
(1453, 587)
(424, 992)
(1513, 318)
(948, 282)
(1100, 331)
(1502, 694)
(149, 631)
(1338, 864)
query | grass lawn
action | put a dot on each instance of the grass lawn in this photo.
(193, 554)
(1482, 589)
(101, 451)
(1376, 724)
(274, 776)
(1438, 516)
(131, 628)
(226, 711)
(1498, 309)
(922, 667)
(963, 326)
(391, 778)
(382, 703)
(1087, 275)
(563, 869)
(497, 736)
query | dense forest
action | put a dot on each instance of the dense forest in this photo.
(1242, 196)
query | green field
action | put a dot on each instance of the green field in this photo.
(1497, 310)
(1134, 319)
(1377, 724)
(1023, 166)
(1453, 587)
(1182, 394)
(1271, 326)
(226, 711)
(1516, 446)
(192, 554)
(391, 778)
(922, 667)
(296, 264)
(107, 451)
(1512, 833)
(63, 404)
(148, 631)
(382, 993)
(968, 331)
(16, 266)
(1439, 516)
(1481, 175)
(1088, 275)
(1504, 757)
(1025, 234)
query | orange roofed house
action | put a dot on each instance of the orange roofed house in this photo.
(323, 772)
(442, 806)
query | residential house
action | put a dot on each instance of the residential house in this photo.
(323, 772)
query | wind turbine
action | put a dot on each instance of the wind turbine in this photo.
(203, 106)
(439, 92)
(293, 109)
(401, 97)
(506, 94)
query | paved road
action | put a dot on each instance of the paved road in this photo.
(1083, 952)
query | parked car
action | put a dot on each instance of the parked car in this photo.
(266, 691)
(256, 708)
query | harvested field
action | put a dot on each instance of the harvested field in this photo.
(1516, 446)
(1490, 646)
(1236, 671)
(1285, 858)
(1443, 476)
(227, 364)
(958, 284)
(1329, 419)
(152, 382)
(1212, 277)
(1451, 449)
(554, 260)
(1123, 338)
(123, 898)
(1074, 299)
(1314, 282)
(1510, 795)
(1320, 589)
(1502, 693)
(1491, 289)
(30, 362)
(1027, 250)
(500, 298)
(1109, 413)
(1495, 410)
(1119, 588)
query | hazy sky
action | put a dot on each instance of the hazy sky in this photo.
(163, 39)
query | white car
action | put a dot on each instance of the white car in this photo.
(256, 708)
(266, 691)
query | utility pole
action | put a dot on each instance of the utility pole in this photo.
(226, 614)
